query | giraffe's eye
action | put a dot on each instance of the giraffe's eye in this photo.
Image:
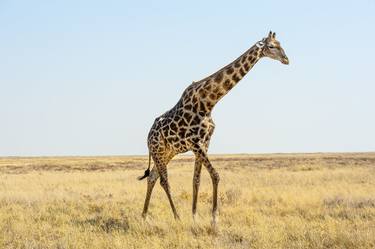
(271, 47)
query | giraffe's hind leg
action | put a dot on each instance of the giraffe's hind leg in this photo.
(164, 183)
(196, 182)
(151, 180)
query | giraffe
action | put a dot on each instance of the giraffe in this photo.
(188, 126)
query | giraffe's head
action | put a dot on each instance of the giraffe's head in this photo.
(273, 49)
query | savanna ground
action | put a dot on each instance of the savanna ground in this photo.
(266, 201)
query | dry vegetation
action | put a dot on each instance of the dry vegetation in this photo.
(266, 201)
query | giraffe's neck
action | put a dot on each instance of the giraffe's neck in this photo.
(207, 92)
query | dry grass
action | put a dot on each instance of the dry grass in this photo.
(266, 201)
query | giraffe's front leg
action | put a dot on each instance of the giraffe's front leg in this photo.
(151, 180)
(196, 182)
(215, 181)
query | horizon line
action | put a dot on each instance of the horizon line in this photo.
(188, 154)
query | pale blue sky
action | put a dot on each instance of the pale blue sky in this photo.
(89, 77)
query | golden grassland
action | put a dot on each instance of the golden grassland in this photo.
(266, 201)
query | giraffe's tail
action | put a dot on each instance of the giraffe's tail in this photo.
(147, 171)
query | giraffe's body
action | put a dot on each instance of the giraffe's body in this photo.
(188, 126)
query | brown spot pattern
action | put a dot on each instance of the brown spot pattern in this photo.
(230, 70)
(227, 85)
(219, 77)
(252, 60)
(246, 66)
(242, 72)
(235, 78)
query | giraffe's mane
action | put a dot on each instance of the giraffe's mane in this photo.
(256, 45)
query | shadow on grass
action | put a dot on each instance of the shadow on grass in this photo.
(106, 224)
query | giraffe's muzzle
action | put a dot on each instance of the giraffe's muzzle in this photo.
(285, 60)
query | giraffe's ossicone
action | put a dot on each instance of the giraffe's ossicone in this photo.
(188, 126)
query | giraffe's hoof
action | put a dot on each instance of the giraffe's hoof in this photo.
(195, 218)
(144, 215)
(215, 220)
